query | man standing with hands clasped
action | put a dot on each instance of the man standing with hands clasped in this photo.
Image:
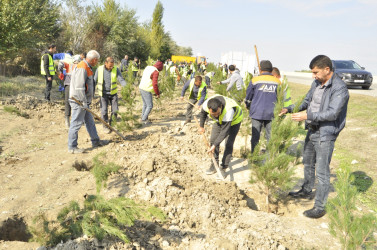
(325, 116)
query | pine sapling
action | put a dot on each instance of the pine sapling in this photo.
(274, 168)
(354, 231)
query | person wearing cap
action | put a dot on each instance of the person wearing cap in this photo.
(66, 67)
(106, 78)
(261, 96)
(149, 85)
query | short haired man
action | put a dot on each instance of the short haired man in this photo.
(48, 69)
(325, 116)
(235, 78)
(228, 116)
(198, 94)
(81, 88)
(66, 66)
(148, 85)
(106, 78)
(261, 96)
(135, 66)
(124, 64)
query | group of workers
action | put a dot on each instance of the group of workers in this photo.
(323, 109)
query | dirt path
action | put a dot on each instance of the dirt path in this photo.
(159, 165)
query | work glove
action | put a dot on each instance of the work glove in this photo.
(61, 76)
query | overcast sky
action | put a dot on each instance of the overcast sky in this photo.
(289, 33)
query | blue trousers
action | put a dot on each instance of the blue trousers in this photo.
(147, 104)
(79, 116)
(317, 158)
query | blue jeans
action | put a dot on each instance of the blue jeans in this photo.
(147, 104)
(317, 158)
(79, 116)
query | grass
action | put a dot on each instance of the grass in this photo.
(14, 110)
(356, 142)
(10, 86)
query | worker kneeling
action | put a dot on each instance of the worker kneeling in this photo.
(227, 115)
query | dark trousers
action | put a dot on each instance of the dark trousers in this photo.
(317, 158)
(208, 81)
(48, 87)
(216, 129)
(256, 128)
(105, 101)
(189, 109)
(66, 101)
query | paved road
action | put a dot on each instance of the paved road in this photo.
(305, 78)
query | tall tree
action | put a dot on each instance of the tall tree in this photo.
(25, 25)
(157, 31)
(75, 25)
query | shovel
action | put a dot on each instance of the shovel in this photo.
(219, 171)
(99, 118)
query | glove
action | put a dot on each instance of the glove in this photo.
(61, 76)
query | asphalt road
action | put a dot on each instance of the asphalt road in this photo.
(305, 78)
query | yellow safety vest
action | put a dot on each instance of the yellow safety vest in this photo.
(51, 66)
(229, 104)
(146, 81)
(192, 82)
(114, 86)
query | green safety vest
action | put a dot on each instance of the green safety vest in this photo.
(287, 95)
(114, 86)
(134, 67)
(192, 82)
(209, 74)
(51, 66)
(229, 104)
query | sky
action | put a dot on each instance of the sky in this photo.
(289, 33)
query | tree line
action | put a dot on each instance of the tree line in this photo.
(28, 26)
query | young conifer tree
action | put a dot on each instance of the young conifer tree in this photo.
(128, 120)
(274, 168)
(97, 217)
(354, 231)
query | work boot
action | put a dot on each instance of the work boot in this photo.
(146, 122)
(100, 143)
(315, 213)
(67, 122)
(302, 194)
(76, 150)
(211, 170)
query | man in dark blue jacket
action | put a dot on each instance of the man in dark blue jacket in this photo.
(325, 116)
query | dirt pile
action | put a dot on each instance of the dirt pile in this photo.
(162, 164)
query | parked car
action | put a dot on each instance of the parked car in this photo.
(352, 73)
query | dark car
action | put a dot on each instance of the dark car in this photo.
(352, 73)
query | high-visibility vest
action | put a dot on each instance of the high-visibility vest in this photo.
(209, 74)
(114, 86)
(229, 104)
(202, 86)
(51, 66)
(172, 71)
(146, 81)
(134, 67)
